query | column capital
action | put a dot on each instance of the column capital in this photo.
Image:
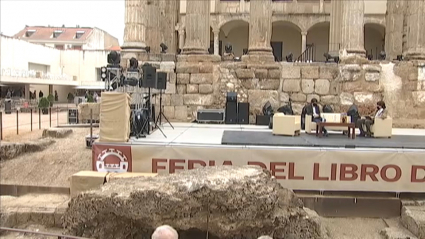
(181, 31)
(304, 33)
(216, 31)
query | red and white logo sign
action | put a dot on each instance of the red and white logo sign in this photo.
(111, 158)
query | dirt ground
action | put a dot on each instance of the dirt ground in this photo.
(51, 167)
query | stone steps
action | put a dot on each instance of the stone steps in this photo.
(413, 217)
(395, 230)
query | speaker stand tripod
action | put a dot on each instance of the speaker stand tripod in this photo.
(148, 121)
(161, 113)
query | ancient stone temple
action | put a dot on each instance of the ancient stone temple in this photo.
(279, 49)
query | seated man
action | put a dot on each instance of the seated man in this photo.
(368, 121)
(316, 114)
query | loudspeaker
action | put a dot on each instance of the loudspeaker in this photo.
(149, 76)
(262, 120)
(231, 113)
(232, 97)
(210, 115)
(243, 113)
(161, 80)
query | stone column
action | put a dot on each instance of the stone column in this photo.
(353, 27)
(216, 42)
(197, 22)
(335, 26)
(303, 41)
(169, 15)
(396, 10)
(416, 32)
(181, 38)
(135, 25)
(27, 92)
(153, 28)
(260, 27)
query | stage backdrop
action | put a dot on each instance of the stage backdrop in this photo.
(298, 169)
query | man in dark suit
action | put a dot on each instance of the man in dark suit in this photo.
(315, 110)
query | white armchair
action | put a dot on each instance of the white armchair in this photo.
(382, 128)
(289, 125)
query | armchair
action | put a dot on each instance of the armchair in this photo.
(382, 128)
(289, 125)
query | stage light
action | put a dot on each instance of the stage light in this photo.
(210, 50)
(134, 63)
(103, 73)
(267, 109)
(399, 57)
(382, 55)
(245, 51)
(289, 57)
(148, 49)
(164, 48)
(179, 51)
(370, 57)
(332, 56)
(114, 58)
(228, 48)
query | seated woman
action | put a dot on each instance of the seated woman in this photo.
(368, 121)
(315, 110)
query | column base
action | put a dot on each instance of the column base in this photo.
(198, 58)
(194, 51)
(353, 56)
(414, 55)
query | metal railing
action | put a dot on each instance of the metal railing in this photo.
(308, 55)
(7, 229)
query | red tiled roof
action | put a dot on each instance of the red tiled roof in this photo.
(45, 33)
(115, 48)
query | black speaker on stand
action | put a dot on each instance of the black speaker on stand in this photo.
(231, 108)
(149, 76)
(161, 83)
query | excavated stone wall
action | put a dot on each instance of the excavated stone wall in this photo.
(197, 82)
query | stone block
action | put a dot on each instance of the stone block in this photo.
(268, 66)
(199, 58)
(205, 88)
(328, 72)
(307, 86)
(346, 98)
(283, 97)
(267, 59)
(275, 74)
(297, 108)
(413, 218)
(86, 180)
(171, 88)
(291, 85)
(298, 97)
(166, 99)
(8, 217)
(396, 233)
(289, 71)
(183, 78)
(114, 176)
(176, 99)
(269, 84)
(167, 66)
(329, 99)
(361, 86)
(56, 133)
(180, 112)
(23, 215)
(232, 65)
(245, 73)
(372, 76)
(309, 72)
(172, 77)
(260, 73)
(192, 89)
(372, 68)
(197, 99)
(203, 78)
(314, 96)
(250, 84)
(257, 99)
(181, 89)
(169, 112)
(206, 68)
(321, 86)
(184, 67)
(366, 98)
(43, 216)
(350, 72)
(418, 97)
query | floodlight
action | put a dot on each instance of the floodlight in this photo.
(228, 48)
(382, 55)
(289, 57)
(114, 58)
(103, 73)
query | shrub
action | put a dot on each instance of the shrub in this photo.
(44, 103)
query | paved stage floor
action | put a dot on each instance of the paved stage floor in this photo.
(213, 134)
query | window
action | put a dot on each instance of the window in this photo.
(59, 47)
(29, 33)
(56, 34)
(77, 47)
(79, 34)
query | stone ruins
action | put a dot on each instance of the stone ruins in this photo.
(199, 77)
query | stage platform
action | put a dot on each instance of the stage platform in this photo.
(305, 163)
(254, 135)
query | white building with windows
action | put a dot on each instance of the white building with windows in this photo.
(33, 67)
